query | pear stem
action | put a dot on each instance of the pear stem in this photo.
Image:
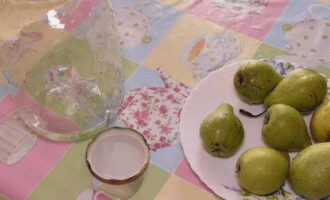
(248, 114)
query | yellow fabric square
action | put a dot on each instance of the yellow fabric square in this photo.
(14, 17)
(168, 52)
(248, 47)
(176, 52)
(179, 189)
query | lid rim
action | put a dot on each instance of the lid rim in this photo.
(119, 181)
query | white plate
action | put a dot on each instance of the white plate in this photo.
(219, 173)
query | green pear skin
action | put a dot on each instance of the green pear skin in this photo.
(222, 132)
(309, 173)
(254, 80)
(285, 129)
(304, 89)
(262, 170)
(320, 125)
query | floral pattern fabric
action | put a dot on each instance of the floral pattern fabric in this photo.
(155, 112)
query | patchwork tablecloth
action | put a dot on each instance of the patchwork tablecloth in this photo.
(175, 45)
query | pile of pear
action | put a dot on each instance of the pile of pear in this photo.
(263, 170)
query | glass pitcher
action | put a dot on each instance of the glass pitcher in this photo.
(63, 58)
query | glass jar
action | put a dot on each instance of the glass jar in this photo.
(63, 58)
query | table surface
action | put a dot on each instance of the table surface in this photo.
(160, 71)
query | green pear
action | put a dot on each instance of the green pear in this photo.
(285, 129)
(254, 80)
(222, 132)
(304, 89)
(309, 173)
(320, 126)
(262, 170)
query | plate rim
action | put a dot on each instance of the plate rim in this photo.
(183, 112)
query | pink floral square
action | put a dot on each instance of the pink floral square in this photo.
(155, 112)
